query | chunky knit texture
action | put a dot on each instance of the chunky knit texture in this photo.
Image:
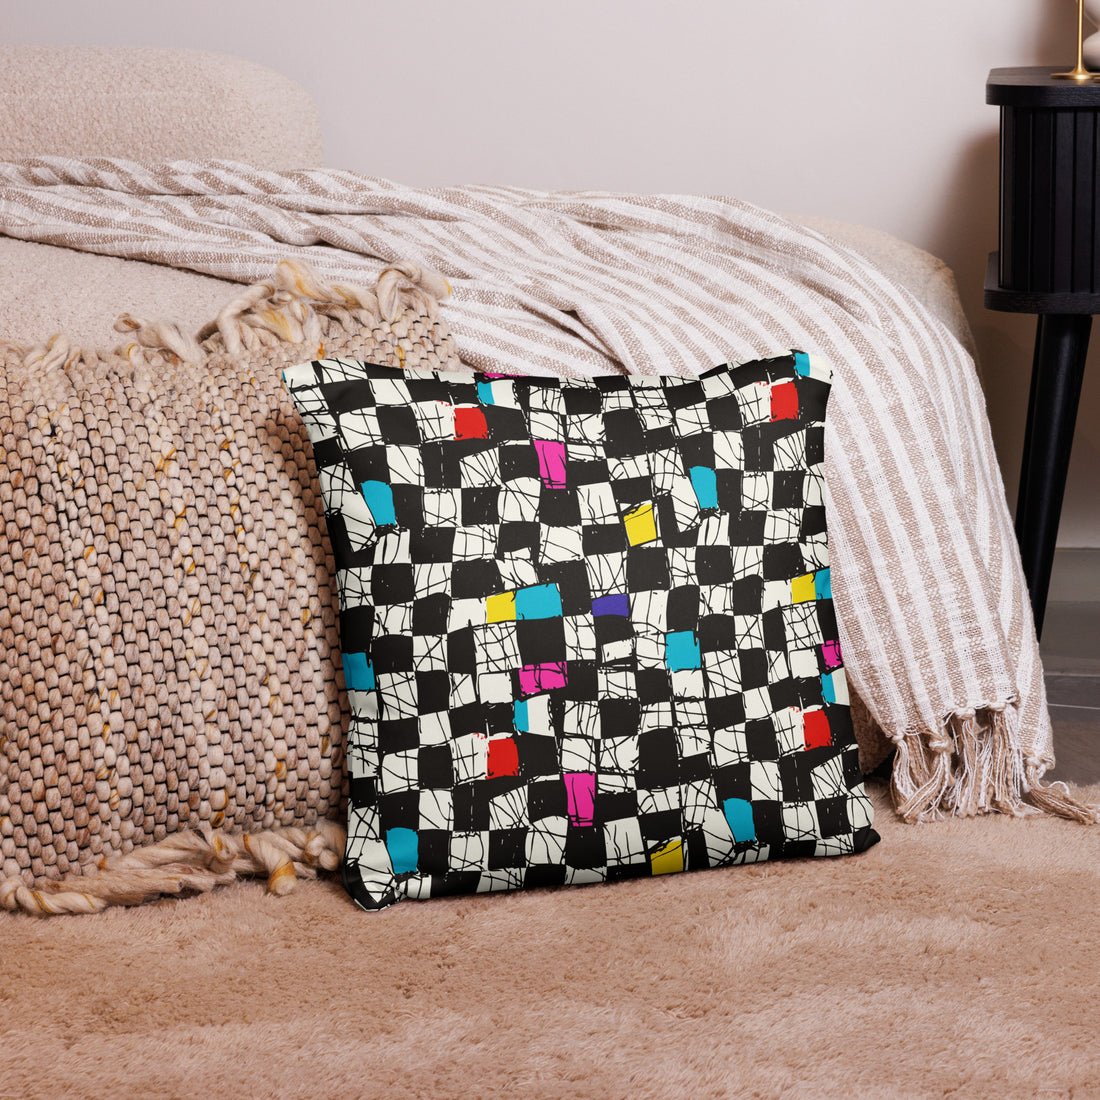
(168, 636)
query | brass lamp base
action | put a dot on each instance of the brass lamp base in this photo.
(1079, 72)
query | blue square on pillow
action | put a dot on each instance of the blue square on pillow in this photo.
(682, 650)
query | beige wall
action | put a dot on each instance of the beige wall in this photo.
(858, 109)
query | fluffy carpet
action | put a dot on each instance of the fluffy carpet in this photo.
(952, 959)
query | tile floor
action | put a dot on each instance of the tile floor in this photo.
(1071, 660)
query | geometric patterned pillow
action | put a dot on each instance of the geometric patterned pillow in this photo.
(586, 624)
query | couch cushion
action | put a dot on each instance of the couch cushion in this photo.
(153, 105)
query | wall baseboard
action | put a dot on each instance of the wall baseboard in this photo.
(1076, 575)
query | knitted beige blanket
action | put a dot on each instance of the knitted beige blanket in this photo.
(173, 711)
(933, 610)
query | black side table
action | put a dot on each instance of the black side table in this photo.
(1048, 264)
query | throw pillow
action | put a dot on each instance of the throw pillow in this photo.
(587, 625)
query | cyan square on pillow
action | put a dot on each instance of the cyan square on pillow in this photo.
(587, 625)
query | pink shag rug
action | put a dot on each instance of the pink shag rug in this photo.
(957, 959)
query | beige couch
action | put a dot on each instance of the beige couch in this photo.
(155, 104)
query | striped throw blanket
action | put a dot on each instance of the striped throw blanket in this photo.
(934, 615)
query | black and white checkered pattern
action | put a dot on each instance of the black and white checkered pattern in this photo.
(587, 625)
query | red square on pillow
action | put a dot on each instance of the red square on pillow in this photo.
(815, 730)
(503, 757)
(785, 401)
(470, 424)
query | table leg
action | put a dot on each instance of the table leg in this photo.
(1061, 342)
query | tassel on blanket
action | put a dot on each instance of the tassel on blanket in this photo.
(288, 307)
(291, 309)
(194, 861)
(1056, 799)
(974, 765)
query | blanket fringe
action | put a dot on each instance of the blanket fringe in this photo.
(194, 861)
(1055, 798)
(289, 308)
(974, 765)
